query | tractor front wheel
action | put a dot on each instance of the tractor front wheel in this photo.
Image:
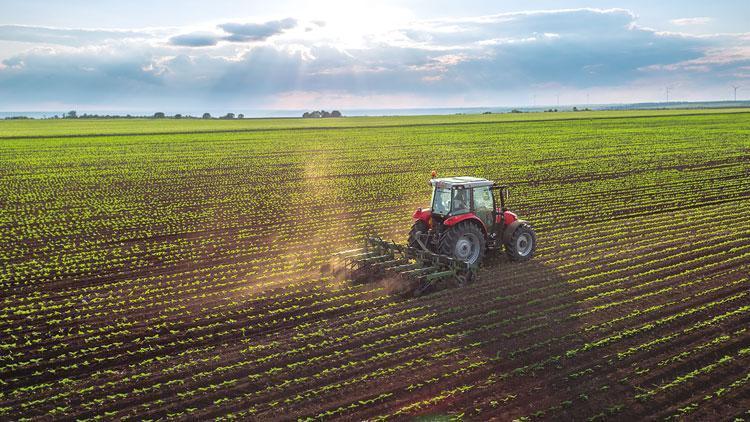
(465, 242)
(522, 243)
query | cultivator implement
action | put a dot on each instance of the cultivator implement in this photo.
(417, 268)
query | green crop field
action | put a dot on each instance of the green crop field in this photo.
(178, 269)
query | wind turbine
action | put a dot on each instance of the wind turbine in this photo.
(735, 87)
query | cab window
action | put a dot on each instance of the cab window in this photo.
(460, 203)
(441, 201)
(483, 199)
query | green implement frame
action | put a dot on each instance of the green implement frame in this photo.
(379, 258)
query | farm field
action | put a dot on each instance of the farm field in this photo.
(176, 269)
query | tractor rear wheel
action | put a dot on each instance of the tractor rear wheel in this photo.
(522, 243)
(419, 226)
(465, 242)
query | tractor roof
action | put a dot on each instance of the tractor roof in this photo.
(460, 182)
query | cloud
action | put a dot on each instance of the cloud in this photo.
(691, 21)
(243, 32)
(64, 36)
(234, 32)
(81, 75)
(576, 48)
(195, 39)
(499, 58)
(516, 27)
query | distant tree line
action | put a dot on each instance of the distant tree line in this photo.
(320, 114)
(158, 115)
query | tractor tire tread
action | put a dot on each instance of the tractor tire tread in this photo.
(448, 242)
(510, 248)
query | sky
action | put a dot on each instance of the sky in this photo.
(184, 55)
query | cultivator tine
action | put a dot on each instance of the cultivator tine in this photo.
(375, 259)
(419, 271)
(388, 265)
(405, 267)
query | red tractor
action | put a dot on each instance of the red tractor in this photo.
(464, 221)
(449, 239)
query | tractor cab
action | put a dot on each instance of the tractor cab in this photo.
(456, 196)
(453, 196)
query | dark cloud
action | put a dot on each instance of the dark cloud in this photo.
(235, 32)
(243, 32)
(575, 48)
(586, 25)
(195, 39)
(85, 76)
